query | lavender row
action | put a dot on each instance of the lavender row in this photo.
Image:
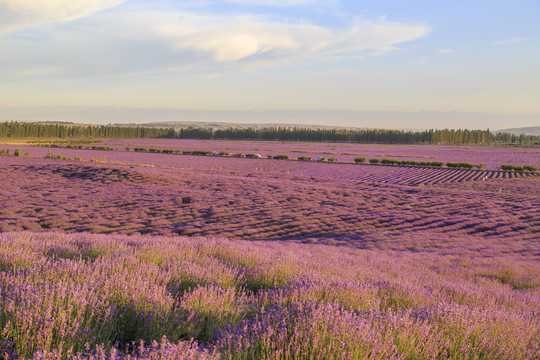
(111, 297)
(370, 173)
(324, 203)
(491, 157)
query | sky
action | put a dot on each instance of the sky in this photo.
(66, 59)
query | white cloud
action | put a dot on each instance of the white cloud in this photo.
(227, 40)
(18, 14)
(134, 39)
(509, 41)
(445, 51)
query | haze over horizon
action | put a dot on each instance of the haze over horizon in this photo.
(412, 64)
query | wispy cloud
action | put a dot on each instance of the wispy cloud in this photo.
(510, 41)
(134, 39)
(18, 14)
(226, 40)
(445, 51)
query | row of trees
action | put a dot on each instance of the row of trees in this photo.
(480, 137)
(33, 130)
(446, 136)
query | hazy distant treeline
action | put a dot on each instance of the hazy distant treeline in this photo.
(448, 137)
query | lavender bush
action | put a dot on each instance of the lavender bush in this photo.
(107, 296)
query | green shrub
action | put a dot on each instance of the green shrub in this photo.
(282, 157)
(374, 161)
(201, 152)
(360, 160)
(437, 164)
(17, 152)
(303, 158)
(223, 153)
(518, 168)
(140, 149)
(461, 165)
(252, 156)
(390, 162)
(239, 155)
(167, 151)
(506, 167)
(332, 159)
(49, 155)
(530, 168)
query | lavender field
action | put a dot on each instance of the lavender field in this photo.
(90, 296)
(103, 258)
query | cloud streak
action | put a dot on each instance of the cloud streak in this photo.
(135, 39)
(245, 38)
(19, 14)
(509, 41)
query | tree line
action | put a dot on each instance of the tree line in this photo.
(381, 136)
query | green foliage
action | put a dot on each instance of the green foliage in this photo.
(332, 159)
(17, 152)
(390, 162)
(303, 158)
(460, 165)
(374, 161)
(201, 152)
(238, 155)
(281, 157)
(518, 168)
(360, 160)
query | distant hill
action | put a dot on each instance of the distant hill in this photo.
(532, 130)
(228, 125)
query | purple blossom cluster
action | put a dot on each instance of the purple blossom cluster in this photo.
(83, 296)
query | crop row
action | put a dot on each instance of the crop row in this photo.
(358, 160)
(112, 297)
(430, 176)
(47, 194)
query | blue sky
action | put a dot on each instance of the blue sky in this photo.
(386, 55)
